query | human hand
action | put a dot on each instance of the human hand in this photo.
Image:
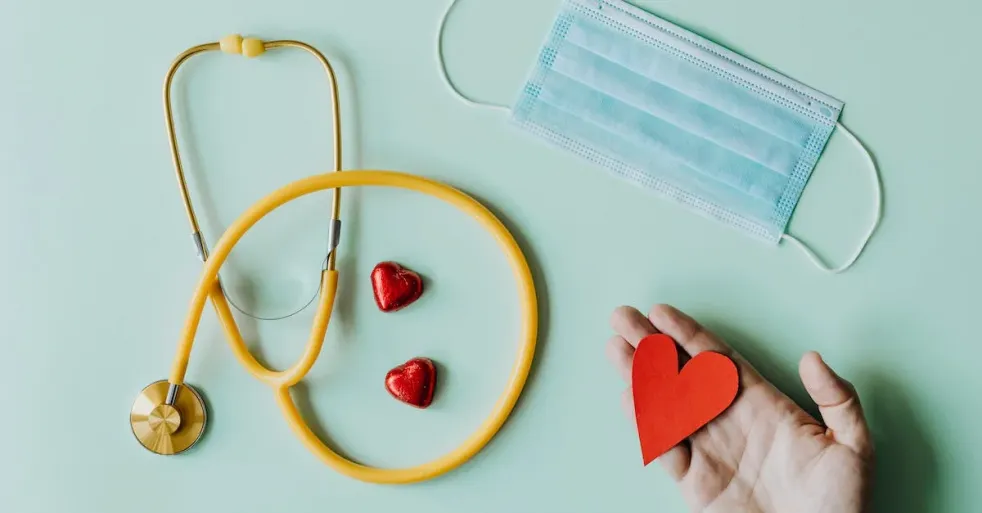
(763, 454)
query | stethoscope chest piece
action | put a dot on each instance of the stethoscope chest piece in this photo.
(168, 425)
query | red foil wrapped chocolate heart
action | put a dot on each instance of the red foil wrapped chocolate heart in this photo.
(413, 382)
(395, 287)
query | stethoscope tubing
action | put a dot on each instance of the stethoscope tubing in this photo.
(281, 381)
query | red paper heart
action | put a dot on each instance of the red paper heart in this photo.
(413, 382)
(670, 405)
(395, 286)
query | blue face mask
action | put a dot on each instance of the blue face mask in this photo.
(680, 116)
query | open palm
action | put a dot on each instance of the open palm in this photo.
(764, 453)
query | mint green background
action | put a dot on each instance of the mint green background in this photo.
(97, 267)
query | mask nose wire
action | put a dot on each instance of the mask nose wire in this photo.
(235, 44)
(878, 215)
(443, 67)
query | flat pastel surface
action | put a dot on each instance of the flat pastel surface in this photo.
(97, 265)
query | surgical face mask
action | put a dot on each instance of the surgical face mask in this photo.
(678, 115)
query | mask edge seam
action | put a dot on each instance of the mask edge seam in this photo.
(802, 174)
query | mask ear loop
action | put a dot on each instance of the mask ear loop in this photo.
(443, 67)
(815, 259)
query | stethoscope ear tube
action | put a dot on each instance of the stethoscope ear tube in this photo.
(250, 47)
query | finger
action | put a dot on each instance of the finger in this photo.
(627, 402)
(693, 338)
(686, 331)
(838, 403)
(676, 461)
(631, 324)
(621, 356)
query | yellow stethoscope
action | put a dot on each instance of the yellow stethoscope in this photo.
(169, 416)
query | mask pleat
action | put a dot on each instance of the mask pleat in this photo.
(687, 77)
(640, 127)
(641, 159)
(678, 109)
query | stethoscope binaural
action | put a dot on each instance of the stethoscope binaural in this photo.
(169, 416)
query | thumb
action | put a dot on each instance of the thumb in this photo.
(838, 403)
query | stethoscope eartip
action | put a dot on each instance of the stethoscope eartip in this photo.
(236, 44)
